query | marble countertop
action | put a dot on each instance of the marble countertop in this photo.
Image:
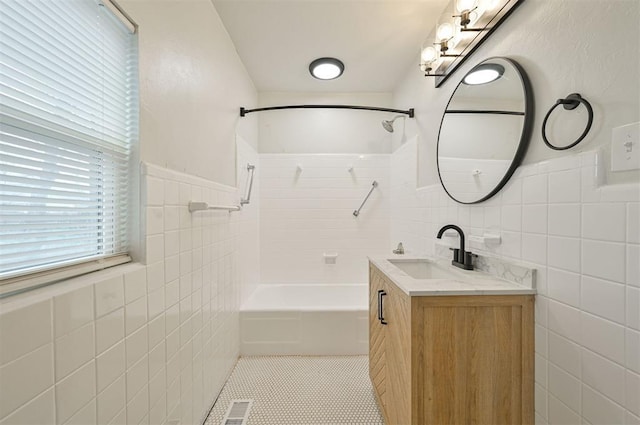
(463, 282)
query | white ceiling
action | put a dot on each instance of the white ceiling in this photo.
(378, 40)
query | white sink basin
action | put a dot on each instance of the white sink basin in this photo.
(425, 269)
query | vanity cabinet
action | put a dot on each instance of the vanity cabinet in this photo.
(455, 359)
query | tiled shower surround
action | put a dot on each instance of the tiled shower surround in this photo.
(306, 211)
(584, 240)
(149, 344)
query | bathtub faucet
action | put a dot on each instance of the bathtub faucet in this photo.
(399, 250)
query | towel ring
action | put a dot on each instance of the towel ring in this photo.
(569, 103)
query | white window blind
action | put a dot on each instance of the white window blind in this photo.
(68, 116)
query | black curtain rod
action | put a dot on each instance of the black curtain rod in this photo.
(244, 111)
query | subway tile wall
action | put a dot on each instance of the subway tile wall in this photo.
(249, 219)
(307, 203)
(584, 240)
(148, 343)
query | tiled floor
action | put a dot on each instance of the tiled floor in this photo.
(291, 390)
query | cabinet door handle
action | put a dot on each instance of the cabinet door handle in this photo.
(381, 294)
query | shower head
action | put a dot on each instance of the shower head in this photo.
(388, 124)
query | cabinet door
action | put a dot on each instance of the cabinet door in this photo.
(377, 365)
(396, 309)
(473, 360)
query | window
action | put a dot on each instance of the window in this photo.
(68, 118)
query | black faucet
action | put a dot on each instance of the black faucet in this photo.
(461, 258)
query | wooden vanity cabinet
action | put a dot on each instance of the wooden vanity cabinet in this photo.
(451, 359)
(389, 349)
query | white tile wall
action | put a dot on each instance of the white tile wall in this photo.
(584, 241)
(72, 310)
(408, 208)
(307, 212)
(249, 220)
(632, 391)
(563, 286)
(603, 375)
(603, 298)
(75, 391)
(136, 343)
(565, 354)
(24, 330)
(603, 259)
(564, 220)
(29, 376)
(559, 413)
(73, 350)
(598, 409)
(109, 295)
(39, 410)
(565, 387)
(602, 337)
(110, 365)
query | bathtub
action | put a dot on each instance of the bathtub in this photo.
(305, 319)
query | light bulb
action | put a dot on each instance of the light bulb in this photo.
(445, 31)
(473, 17)
(465, 5)
(429, 54)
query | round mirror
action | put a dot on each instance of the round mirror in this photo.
(485, 130)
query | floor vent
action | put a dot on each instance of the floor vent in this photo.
(238, 412)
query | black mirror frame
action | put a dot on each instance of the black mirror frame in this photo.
(524, 138)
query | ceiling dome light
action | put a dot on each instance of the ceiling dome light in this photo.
(326, 68)
(483, 74)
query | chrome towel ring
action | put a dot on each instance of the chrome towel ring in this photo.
(569, 103)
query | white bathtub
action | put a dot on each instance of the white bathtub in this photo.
(305, 319)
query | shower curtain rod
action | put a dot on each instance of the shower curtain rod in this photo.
(244, 111)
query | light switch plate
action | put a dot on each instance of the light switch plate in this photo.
(625, 147)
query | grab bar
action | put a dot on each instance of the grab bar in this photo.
(247, 199)
(373, 186)
(203, 206)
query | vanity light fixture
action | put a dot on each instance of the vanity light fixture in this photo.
(470, 11)
(447, 38)
(326, 68)
(462, 27)
(483, 74)
(466, 8)
(428, 57)
(446, 31)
